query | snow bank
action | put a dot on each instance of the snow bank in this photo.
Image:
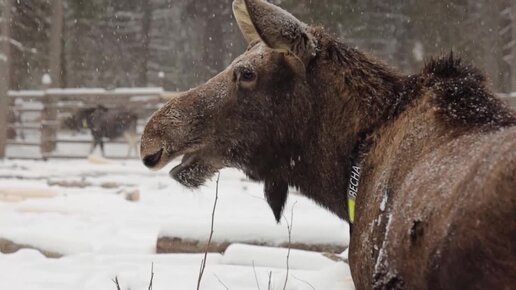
(247, 255)
(28, 269)
(257, 231)
(103, 235)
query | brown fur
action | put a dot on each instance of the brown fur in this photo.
(436, 207)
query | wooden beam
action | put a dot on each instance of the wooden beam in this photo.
(24, 143)
(5, 58)
(55, 156)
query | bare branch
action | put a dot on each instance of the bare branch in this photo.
(220, 281)
(256, 276)
(18, 45)
(301, 280)
(151, 277)
(203, 262)
(289, 228)
(116, 283)
(270, 278)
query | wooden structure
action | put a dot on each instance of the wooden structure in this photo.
(47, 108)
(510, 99)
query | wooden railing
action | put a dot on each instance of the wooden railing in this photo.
(48, 107)
(510, 99)
(42, 112)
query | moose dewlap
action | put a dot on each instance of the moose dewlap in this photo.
(423, 166)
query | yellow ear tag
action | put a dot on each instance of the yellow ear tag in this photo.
(351, 210)
(84, 124)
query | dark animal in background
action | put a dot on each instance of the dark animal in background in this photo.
(14, 118)
(105, 122)
(431, 157)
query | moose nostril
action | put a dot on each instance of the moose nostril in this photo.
(153, 159)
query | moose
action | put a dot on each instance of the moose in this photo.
(422, 166)
(105, 122)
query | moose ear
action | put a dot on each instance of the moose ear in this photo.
(276, 27)
(276, 195)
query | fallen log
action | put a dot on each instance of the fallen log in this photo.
(180, 245)
(9, 247)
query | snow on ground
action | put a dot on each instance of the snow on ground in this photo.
(85, 215)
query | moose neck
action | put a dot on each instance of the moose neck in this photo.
(353, 95)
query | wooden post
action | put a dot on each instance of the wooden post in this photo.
(48, 119)
(5, 58)
(161, 76)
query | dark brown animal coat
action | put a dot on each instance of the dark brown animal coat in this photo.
(436, 207)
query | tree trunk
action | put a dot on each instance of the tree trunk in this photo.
(506, 44)
(56, 43)
(513, 46)
(5, 57)
(146, 37)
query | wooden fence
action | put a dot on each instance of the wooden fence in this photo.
(510, 99)
(49, 107)
(43, 111)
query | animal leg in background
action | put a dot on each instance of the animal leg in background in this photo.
(93, 145)
(21, 131)
(101, 143)
(97, 141)
(131, 139)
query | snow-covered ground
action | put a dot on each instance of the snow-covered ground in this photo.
(80, 209)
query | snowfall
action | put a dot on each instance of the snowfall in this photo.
(103, 219)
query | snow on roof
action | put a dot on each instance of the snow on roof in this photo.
(26, 93)
(82, 91)
(150, 90)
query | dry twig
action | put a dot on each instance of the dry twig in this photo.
(116, 283)
(220, 281)
(289, 228)
(256, 276)
(301, 280)
(151, 276)
(203, 262)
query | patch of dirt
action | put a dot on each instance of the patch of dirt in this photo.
(110, 185)
(131, 195)
(69, 183)
(9, 247)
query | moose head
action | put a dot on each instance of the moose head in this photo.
(272, 113)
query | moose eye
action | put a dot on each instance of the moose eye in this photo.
(247, 75)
